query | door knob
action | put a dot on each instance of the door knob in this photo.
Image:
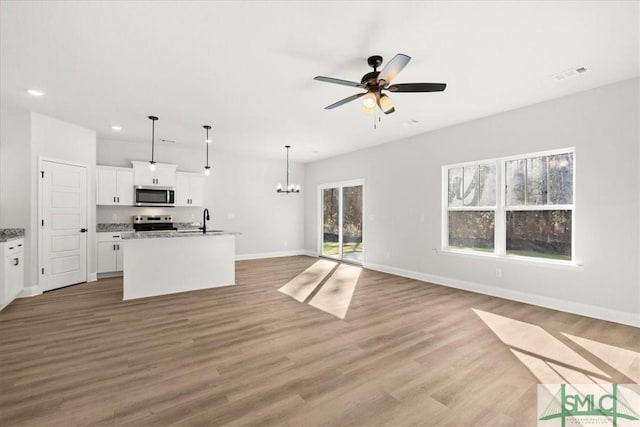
(83, 230)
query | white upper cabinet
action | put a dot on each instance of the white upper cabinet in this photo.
(163, 176)
(189, 189)
(114, 186)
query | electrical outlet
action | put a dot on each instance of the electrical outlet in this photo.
(421, 218)
(231, 216)
(498, 272)
(114, 217)
(285, 243)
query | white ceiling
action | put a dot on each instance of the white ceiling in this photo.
(247, 68)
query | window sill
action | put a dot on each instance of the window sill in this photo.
(542, 262)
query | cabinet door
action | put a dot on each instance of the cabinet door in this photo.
(165, 176)
(106, 186)
(13, 277)
(119, 256)
(182, 190)
(143, 176)
(196, 187)
(124, 181)
(107, 257)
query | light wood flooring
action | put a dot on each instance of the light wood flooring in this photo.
(407, 353)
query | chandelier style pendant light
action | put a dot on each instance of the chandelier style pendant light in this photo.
(291, 188)
(207, 141)
(152, 163)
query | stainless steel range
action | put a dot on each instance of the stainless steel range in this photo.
(153, 223)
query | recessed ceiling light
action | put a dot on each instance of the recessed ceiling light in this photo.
(35, 92)
(410, 122)
(116, 127)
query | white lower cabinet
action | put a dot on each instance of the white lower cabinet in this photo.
(11, 271)
(110, 251)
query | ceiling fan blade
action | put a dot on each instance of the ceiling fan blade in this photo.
(393, 67)
(344, 101)
(417, 87)
(337, 81)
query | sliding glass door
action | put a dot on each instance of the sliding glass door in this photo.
(342, 218)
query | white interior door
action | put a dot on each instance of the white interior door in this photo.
(63, 225)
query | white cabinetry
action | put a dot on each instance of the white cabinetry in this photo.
(163, 176)
(110, 250)
(11, 271)
(189, 189)
(114, 186)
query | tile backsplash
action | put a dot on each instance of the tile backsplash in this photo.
(125, 214)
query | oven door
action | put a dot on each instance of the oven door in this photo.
(154, 196)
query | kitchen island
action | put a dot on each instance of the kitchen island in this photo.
(160, 263)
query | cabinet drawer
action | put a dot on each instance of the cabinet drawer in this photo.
(13, 247)
(109, 237)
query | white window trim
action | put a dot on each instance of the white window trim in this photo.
(500, 229)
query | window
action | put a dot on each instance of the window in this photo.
(529, 214)
(472, 206)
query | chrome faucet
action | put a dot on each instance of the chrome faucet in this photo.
(205, 218)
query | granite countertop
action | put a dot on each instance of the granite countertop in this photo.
(112, 228)
(7, 234)
(183, 233)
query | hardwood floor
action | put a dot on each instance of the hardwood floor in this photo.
(407, 353)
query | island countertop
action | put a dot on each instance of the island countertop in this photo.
(179, 233)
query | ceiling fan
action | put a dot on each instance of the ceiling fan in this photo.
(377, 81)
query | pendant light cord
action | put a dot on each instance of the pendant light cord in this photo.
(287, 168)
(153, 137)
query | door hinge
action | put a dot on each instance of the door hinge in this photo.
(42, 174)
(42, 270)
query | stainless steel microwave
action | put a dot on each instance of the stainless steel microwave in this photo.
(154, 196)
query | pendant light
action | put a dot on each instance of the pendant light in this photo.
(152, 163)
(291, 188)
(207, 141)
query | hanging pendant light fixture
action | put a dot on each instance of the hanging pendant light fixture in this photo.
(291, 188)
(152, 163)
(207, 141)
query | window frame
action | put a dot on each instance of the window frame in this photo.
(501, 208)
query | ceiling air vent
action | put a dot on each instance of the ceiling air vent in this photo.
(569, 73)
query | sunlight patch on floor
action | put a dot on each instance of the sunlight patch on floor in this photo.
(625, 361)
(335, 295)
(301, 286)
(554, 358)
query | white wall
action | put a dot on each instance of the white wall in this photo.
(240, 194)
(53, 139)
(403, 183)
(14, 175)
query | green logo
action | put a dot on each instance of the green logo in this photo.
(593, 404)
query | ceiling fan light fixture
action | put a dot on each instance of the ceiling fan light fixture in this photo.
(386, 104)
(369, 100)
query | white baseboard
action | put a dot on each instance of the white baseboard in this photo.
(245, 257)
(30, 291)
(623, 317)
(92, 277)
